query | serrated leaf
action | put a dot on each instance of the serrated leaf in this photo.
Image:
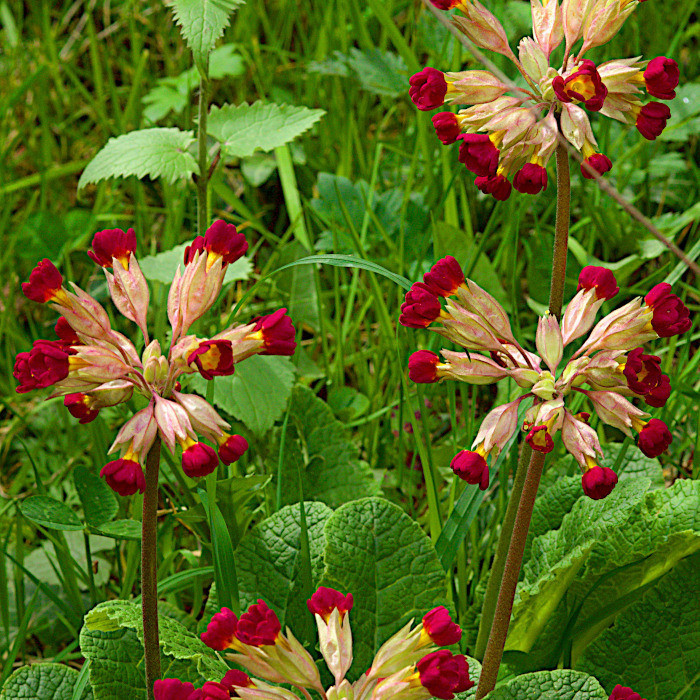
(654, 646)
(100, 504)
(256, 394)
(158, 152)
(243, 129)
(162, 267)
(562, 684)
(381, 555)
(42, 681)
(50, 513)
(202, 23)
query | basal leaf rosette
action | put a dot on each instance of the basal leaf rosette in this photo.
(93, 366)
(609, 367)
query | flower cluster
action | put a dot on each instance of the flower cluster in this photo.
(608, 368)
(409, 665)
(93, 366)
(512, 136)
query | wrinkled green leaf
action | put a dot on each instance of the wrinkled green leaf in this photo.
(99, 502)
(41, 681)
(562, 684)
(50, 513)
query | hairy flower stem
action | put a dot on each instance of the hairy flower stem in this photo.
(203, 177)
(149, 569)
(499, 560)
(511, 573)
(561, 232)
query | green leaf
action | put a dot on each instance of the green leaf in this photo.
(154, 153)
(654, 646)
(43, 681)
(381, 555)
(347, 403)
(121, 529)
(562, 684)
(202, 23)
(99, 502)
(457, 525)
(380, 72)
(162, 267)
(318, 444)
(50, 513)
(256, 394)
(243, 129)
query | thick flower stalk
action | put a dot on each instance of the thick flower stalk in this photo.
(511, 137)
(93, 366)
(410, 665)
(608, 368)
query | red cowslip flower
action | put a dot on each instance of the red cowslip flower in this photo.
(277, 332)
(48, 363)
(479, 154)
(495, 185)
(654, 438)
(258, 626)
(199, 460)
(446, 127)
(621, 692)
(599, 162)
(214, 358)
(422, 367)
(212, 690)
(443, 674)
(530, 179)
(65, 332)
(235, 677)
(23, 374)
(124, 476)
(232, 449)
(223, 239)
(172, 689)
(670, 315)
(471, 467)
(193, 248)
(325, 600)
(599, 277)
(445, 4)
(644, 377)
(539, 439)
(445, 277)
(661, 77)
(221, 630)
(79, 406)
(113, 243)
(651, 120)
(440, 627)
(584, 86)
(428, 89)
(420, 308)
(598, 482)
(44, 282)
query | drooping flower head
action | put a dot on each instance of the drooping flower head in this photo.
(508, 138)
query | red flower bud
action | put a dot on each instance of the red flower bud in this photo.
(654, 438)
(113, 243)
(651, 120)
(644, 377)
(124, 476)
(195, 247)
(232, 449)
(428, 89)
(235, 677)
(258, 626)
(199, 460)
(422, 367)
(600, 278)
(539, 439)
(445, 277)
(221, 630)
(44, 282)
(79, 406)
(440, 627)
(48, 363)
(661, 77)
(214, 358)
(446, 127)
(23, 374)
(497, 186)
(530, 179)
(66, 333)
(599, 162)
(658, 396)
(621, 692)
(325, 600)
(420, 308)
(443, 674)
(598, 482)
(445, 4)
(584, 86)
(278, 333)
(213, 690)
(471, 467)
(223, 239)
(172, 689)
(670, 315)
(479, 154)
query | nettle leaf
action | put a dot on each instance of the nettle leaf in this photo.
(158, 152)
(43, 682)
(202, 23)
(653, 646)
(562, 684)
(50, 513)
(316, 443)
(381, 555)
(243, 129)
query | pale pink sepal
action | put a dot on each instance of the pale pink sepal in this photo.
(547, 24)
(92, 363)
(471, 368)
(483, 29)
(580, 440)
(575, 126)
(574, 14)
(532, 58)
(616, 410)
(497, 427)
(473, 87)
(202, 415)
(580, 314)
(549, 341)
(481, 303)
(335, 643)
(138, 433)
(173, 424)
(604, 22)
(130, 294)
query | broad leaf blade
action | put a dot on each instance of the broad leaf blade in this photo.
(99, 502)
(42, 681)
(50, 513)
(562, 684)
